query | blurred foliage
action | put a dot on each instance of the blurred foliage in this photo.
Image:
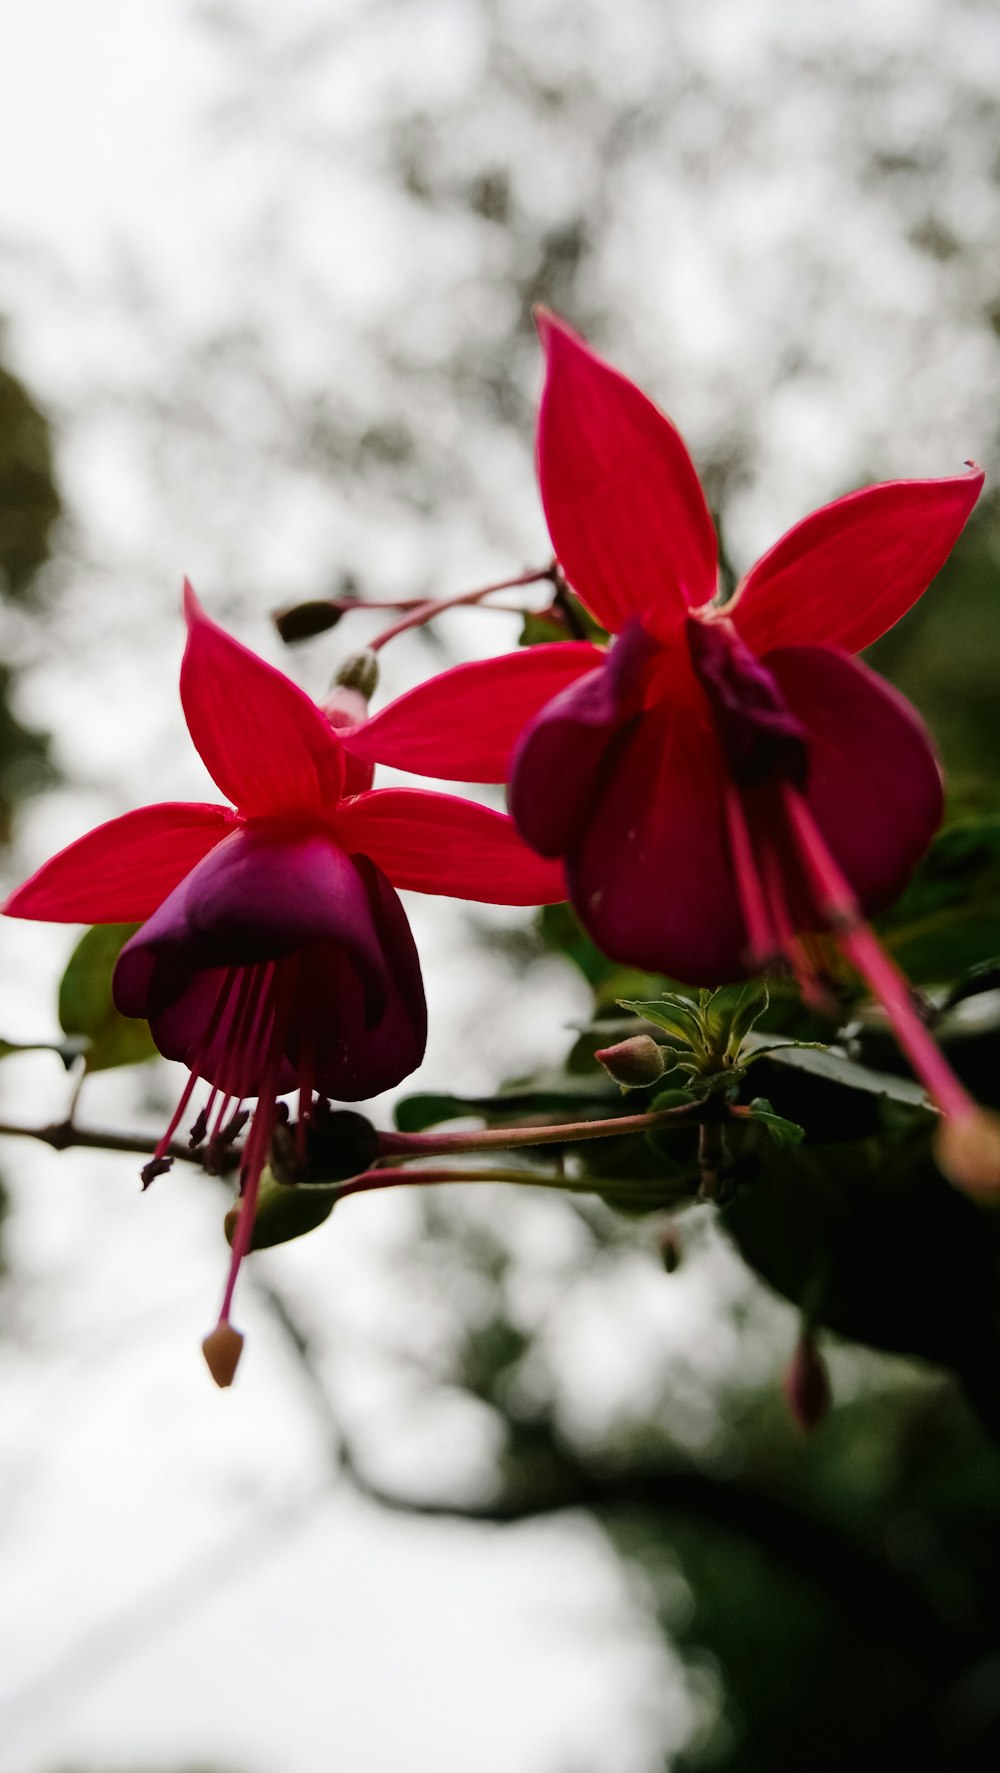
(86, 1009)
(29, 508)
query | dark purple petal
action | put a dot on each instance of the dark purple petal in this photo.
(352, 1056)
(650, 874)
(874, 784)
(344, 1010)
(559, 754)
(259, 897)
(760, 736)
(260, 894)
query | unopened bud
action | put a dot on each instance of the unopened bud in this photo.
(344, 706)
(301, 621)
(806, 1384)
(967, 1151)
(359, 671)
(633, 1062)
(222, 1348)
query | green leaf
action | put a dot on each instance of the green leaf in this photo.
(549, 1091)
(731, 1012)
(878, 1247)
(86, 1008)
(836, 1068)
(676, 1014)
(783, 1132)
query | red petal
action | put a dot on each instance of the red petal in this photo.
(874, 784)
(845, 574)
(651, 876)
(121, 872)
(625, 508)
(262, 739)
(437, 843)
(463, 724)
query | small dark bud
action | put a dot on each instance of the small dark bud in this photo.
(806, 1384)
(359, 671)
(671, 1248)
(633, 1062)
(157, 1166)
(301, 621)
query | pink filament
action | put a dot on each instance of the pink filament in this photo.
(857, 941)
(760, 930)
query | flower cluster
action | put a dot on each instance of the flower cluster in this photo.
(274, 954)
(721, 788)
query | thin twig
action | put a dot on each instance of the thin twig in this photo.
(63, 1135)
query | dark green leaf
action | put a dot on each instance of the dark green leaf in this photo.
(549, 1092)
(783, 1132)
(837, 1068)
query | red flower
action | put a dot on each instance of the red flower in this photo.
(726, 780)
(275, 954)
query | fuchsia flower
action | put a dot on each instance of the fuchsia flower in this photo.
(274, 953)
(727, 781)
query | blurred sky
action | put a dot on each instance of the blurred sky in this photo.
(193, 195)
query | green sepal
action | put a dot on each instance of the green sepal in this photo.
(284, 1213)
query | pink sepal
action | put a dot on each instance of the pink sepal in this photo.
(120, 872)
(261, 738)
(437, 843)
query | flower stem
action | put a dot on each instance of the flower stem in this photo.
(512, 1138)
(401, 1176)
(425, 612)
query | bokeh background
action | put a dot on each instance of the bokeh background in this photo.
(266, 278)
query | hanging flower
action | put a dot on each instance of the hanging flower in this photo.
(274, 954)
(726, 782)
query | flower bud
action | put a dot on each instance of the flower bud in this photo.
(967, 1151)
(347, 705)
(222, 1349)
(359, 671)
(806, 1384)
(633, 1062)
(302, 621)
